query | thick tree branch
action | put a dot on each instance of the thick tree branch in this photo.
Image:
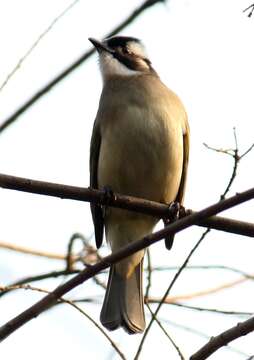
(124, 202)
(146, 4)
(179, 225)
(223, 339)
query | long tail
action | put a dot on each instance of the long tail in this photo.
(123, 303)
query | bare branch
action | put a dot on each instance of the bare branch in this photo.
(24, 250)
(215, 343)
(179, 225)
(247, 151)
(26, 280)
(230, 152)
(166, 295)
(197, 308)
(70, 259)
(206, 292)
(147, 4)
(189, 296)
(154, 300)
(42, 35)
(62, 300)
(251, 8)
(117, 200)
(234, 153)
(193, 330)
(220, 150)
(166, 333)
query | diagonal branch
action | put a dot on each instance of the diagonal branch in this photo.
(215, 343)
(166, 333)
(183, 266)
(61, 300)
(117, 200)
(179, 225)
(34, 45)
(251, 10)
(146, 4)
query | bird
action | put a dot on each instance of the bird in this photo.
(139, 147)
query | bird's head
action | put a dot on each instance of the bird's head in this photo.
(122, 56)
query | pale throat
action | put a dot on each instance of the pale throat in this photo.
(110, 66)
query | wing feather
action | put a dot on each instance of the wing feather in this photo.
(96, 210)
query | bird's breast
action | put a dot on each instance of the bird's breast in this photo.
(141, 151)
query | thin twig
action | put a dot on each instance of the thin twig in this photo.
(24, 250)
(26, 280)
(179, 225)
(197, 308)
(90, 257)
(251, 8)
(69, 256)
(206, 267)
(236, 161)
(206, 292)
(164, 297)
(70, 302)
(42, 35)
(153, 300)
(247, 151)
(166, 333)
(234, 153)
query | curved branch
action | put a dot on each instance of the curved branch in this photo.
(179, 225)
(117, 200)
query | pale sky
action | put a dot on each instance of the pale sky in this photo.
(203, 50)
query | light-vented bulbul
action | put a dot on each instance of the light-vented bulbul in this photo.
(139, 147)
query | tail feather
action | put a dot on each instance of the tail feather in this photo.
(123, 304)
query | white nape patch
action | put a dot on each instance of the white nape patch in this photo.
(110, 66)
(137, 48)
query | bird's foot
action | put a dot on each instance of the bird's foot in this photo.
(108, 196)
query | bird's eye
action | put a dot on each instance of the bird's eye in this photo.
(126, 50)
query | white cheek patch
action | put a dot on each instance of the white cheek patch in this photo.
(110, 66)
(137, 49)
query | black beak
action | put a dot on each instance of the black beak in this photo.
(99, 46)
